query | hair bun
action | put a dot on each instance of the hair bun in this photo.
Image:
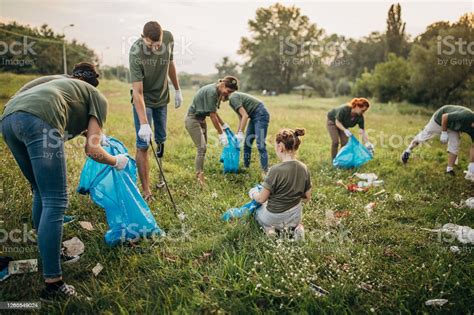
(300, 132)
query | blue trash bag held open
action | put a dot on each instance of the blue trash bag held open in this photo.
(128, 215)
(230, 156)
(353, 154)
(246, 210)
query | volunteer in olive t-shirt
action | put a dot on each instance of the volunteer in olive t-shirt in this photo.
(346, 116)
(247, 106)
(151, 63)
(35, 124)
(205, 103)
(449, 122)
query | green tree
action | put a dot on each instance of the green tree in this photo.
(227, 67)
(283, 45)
(395, 36)
(390, 80)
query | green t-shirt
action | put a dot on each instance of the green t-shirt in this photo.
(65, 104)
(151, 68)
(41, 80)
(460, 118)
(287, 182)
(239, 99)
(205, 101)
(343, 114)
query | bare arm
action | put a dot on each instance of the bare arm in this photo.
(139, 102)
(444, 122)
(215, 121)
(339, 125)
(307, 196)
(172, 73)
(261, 196)
(244, 117)
(93, 148)
(363, 135)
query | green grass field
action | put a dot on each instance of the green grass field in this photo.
(382, 263)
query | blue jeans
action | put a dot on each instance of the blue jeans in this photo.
(157, 118)
(257, 130)
(39, 151)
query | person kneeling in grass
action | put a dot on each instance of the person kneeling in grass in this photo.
(448, 121)
(286, 185)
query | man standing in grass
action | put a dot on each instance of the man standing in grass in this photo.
(151, 63)
(448, 121)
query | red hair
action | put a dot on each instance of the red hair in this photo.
(359, 102)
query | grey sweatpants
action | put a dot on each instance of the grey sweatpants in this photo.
(197, 129)
(287, 219)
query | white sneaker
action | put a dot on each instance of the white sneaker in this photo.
(298, 234)
(469, 176)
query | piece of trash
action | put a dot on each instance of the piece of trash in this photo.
(436, 302)
(398, 197)
(74, 246)
(22, 266)
(181, 216)
(380, 192)
(318, 290)
(369, 208)
(470, 203)
(375, 183)
(214, 195)
(86, 225)
(342, 214)
(454, 249)
(370, 177)
(463, 233)
(331, 219)
(97, 269)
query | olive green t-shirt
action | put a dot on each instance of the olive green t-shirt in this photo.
(287, 182)
(65, 104)
(343, 114)
(460, 118)
(205, 101)
(41, 80)
(239, 99)
(151, 68)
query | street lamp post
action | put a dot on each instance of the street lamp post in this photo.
(64, 48)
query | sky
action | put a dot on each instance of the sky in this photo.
(206, 31)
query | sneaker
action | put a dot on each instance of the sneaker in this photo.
(66, 259)
(51, 293)
(451, 172)
(469, 176)
(405, 156)
(69, 219)
(298, 234)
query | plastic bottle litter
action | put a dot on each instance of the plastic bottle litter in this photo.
(367, 176)
(436, 302)
(374, 183)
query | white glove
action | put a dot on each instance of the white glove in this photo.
(348, 133)
(225, 126)
(145, 133)
(223, 139)
(240, 137)
(443, 137)
(103, 140)
(254, 190)
(121, 162)
(178, 99)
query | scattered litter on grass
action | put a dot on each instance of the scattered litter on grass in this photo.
(398, 197)
(370, 177)
(342, 214)
(97, 269)
(369, 208)
(22, 266)
(463, 233)
(86, 225)
(214, 195)
(317, 290)
(351, 187)
(375, 183)
(74, 246)
(454, 249)
(436, 302)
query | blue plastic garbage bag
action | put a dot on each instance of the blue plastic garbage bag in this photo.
(246, 210)
(128, 215)
(230, 156)
(353, 154)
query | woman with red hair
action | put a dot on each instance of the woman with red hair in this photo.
(341, 118)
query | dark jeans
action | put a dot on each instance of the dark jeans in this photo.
(156, 118)
(257, 130)
(39, 151)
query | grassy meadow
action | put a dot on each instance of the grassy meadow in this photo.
(383, 262)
